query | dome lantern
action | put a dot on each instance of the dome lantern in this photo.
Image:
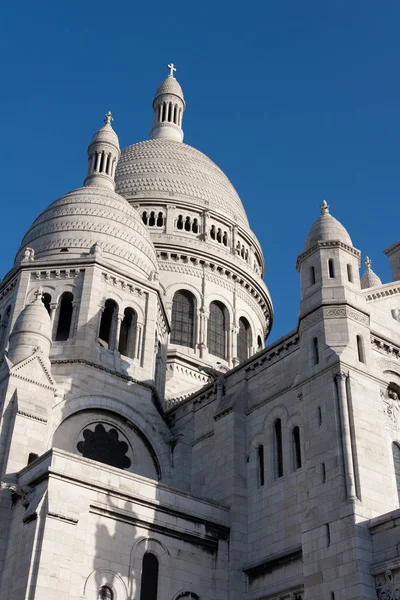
(369, 279)
(168, 107)
(103, 155)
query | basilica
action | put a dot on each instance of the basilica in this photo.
(152, 447)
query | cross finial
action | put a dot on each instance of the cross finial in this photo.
(324, 207)
(38, 294)
(108, 118)
(367, 263)
(171, 68)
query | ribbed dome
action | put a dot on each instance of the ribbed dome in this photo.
(369, 279)
(106, 134)
(169, 86)
(326, 229)
(162, 168)
(87, 216)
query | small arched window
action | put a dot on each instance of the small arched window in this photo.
(278, 448)
(331, 269)
(217, 330)
(149, 581)
(195, 226)
(179, 223)
(315, 351)
(243, 339)
(105, 593)
(127, 336)
(312, 275)
(188, 224)
(46, 299)
(160, 219)
(296, 448)
(396, 464)
(64, 317)
(182, 319)
(360, 348)
(350, 273)
(260, 460)
(144, 218)
(260, 344)
(108, 325)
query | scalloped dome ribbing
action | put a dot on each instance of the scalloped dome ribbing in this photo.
(162, 168)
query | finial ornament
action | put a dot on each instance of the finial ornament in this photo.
(38, 294)
(368, 263)
(171, 68)
(108, 118)
(324, 208)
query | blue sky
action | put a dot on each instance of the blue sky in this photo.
(295, 101)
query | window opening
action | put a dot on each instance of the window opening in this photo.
(46, 299)
(160, 219)
(243, 339)
(144, 218)
(182, 319)
(105, 593)
(64, 317)
(296, 447)
(328, 534)
(319, 416)
(32, 456)
(212, 232)
(219, 235)
(350, 273)
(323, 473)
(278, 447)
(179, 223)
(225, 239)
(331, 269)
(260, 457)
(260, 344)
(152, 220)
(216, 332)
(104, 446)
(316, 351)
(149, 585)
(312, 275)
(64, 250)
(187, 224)
(127, 334)
(195, 226)
(107, 324)
(360, 349)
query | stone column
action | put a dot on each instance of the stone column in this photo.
(203, 323)
(170, 218)
(234, 333)
(72, 327)
(114, 336)
(341, 378)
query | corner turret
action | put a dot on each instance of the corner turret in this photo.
(103, 155)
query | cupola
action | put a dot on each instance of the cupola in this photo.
(369, 279)
(103, 155)
(326, 229)
(168, 106)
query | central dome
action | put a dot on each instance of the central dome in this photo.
(161, 168)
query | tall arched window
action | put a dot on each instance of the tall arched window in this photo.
(108, 325)
(182, 319)
(216, 332)
(64, 317)
(331, 269)
(396, 463)
(315, 351)
(296, 448)
(127, 335)
(149, 585)
(46, 299)
(243, 339)
(105, 593)
(360, 348)
(278, 448)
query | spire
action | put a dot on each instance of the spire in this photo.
(324, 208)
(168, 106)
(103, 155)
(369, 279)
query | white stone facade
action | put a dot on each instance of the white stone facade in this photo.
(146, 454)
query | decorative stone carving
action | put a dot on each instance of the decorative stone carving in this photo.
(396, 314)
(387, 587)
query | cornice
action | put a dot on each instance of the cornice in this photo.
(324, 245)
(385, 291)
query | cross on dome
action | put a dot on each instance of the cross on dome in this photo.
(324, 207)
(38, 294)
(108, 118)
(171, 68)
(367, 263)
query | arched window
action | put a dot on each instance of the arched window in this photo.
(315, 351)
(195, 226)
(243, 339)
(331, 269)
(188, 224)
(296, 448)
(179, 223)
(278, 448)
(182, 319)
(64, 317)
(350, 273)
(127, 335)
(105, 593)
(260, 344)
(108, 325)
(160, 219)
(360, 349)
(396, 464)
(187, 596)
(149, 585)
(46, 299)
(152, 220)
(144, 217)
(312, 275)
(260, 459)
(216, 332)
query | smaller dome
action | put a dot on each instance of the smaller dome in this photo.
(326, 229)
(369, 279)
(169, 86)
(31, 330)
(105, 134)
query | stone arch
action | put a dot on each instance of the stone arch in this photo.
(153, 546)
(66, 287)
(110, 294)
(100, 577)
(183, 594)
(216, 297)
(69, 407)
(175, 287)
(131, 302)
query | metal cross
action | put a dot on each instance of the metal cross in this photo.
(171, 68)
(108, 118)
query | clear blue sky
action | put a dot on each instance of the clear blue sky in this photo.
(295, 100)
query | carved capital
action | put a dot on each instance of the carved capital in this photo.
(341, 375)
